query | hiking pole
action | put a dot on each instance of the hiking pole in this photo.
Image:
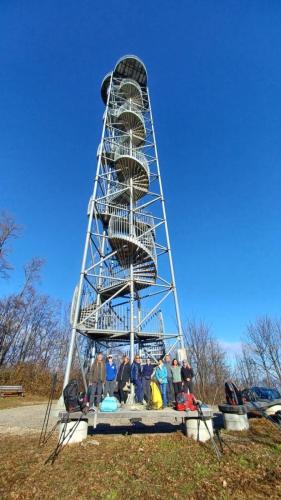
(42, 438)
(50, 433)
(213, 442)
(263, 413)
(62, 440)
(222, 441)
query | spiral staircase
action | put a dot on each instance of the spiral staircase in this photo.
(129, 231)
(123, 292)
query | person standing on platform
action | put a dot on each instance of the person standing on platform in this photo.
(147, 371)
(110, 372)
(161, 375)
(187, 375)
(170, 386)
(97, 380)
(123, 379)
(176, 374)
(136, 378)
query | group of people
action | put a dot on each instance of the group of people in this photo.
(171, 376)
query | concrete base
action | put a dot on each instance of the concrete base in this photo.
(272, 410)
(233, 422)
(197, 430)
(80, 433)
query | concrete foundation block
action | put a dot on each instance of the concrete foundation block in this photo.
(273, 409)
(78, 435)
(197, 430)
(233, 422)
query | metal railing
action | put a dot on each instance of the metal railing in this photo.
(134, 153)
(117, 319)
(140, 232)
(128, 81)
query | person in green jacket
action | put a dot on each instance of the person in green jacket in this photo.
(176, 376)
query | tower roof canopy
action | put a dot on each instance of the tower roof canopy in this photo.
(127, 67)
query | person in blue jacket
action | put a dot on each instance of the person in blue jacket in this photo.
(161, 375)
(136, 378)
(110, 376)
(147, 371)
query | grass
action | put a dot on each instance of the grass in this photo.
(149, 466)
(27, 400)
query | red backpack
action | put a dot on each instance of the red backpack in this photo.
(189, 402)
(185, 401)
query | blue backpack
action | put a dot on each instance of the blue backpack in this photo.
(109, 404)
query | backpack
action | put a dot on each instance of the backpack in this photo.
(180, 407)
(180, 398)
(232, 394)
(185, 401)
(109, 404)
(73, 400)
(189, 402)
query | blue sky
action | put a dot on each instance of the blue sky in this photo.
(215, 82)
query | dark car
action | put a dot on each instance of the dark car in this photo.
(260, 394)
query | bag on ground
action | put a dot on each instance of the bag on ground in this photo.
(180, 401)
(155, 398)
(109, 404)
(71, 396)
(189, 402)
(232, 394)
(185, 401)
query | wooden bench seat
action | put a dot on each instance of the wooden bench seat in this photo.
(11, 390)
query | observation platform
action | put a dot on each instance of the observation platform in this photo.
(126, 416)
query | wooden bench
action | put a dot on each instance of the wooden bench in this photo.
(11, 390)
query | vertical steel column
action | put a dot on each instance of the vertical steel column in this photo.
(88, 235)
(180, 331)
(132, 334)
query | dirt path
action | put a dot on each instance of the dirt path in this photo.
(23, 420)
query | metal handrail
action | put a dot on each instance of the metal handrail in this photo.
(138, 232)
(130, 106)
(127, 81)
(133, 153)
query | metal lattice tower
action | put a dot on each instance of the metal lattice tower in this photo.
(127, 284)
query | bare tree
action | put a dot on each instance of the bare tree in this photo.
(32, 329)
(8, 230)
(208, 361)
(260, 362)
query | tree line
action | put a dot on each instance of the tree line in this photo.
(34, 334)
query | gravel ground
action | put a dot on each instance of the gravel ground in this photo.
(23, 420)
(29, 419)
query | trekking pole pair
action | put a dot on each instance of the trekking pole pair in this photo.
(63, 439)
(203, 419)
(262, 412)
(44, 436)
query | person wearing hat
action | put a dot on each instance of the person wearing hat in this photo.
(110, 374)
(187, 375)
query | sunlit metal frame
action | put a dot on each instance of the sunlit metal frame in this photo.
(98, 239)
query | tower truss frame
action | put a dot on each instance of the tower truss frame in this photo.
(127, 273)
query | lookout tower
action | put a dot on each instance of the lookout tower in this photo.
(126, 295)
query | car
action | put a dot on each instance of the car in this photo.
(266, 399)
(265, 394)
